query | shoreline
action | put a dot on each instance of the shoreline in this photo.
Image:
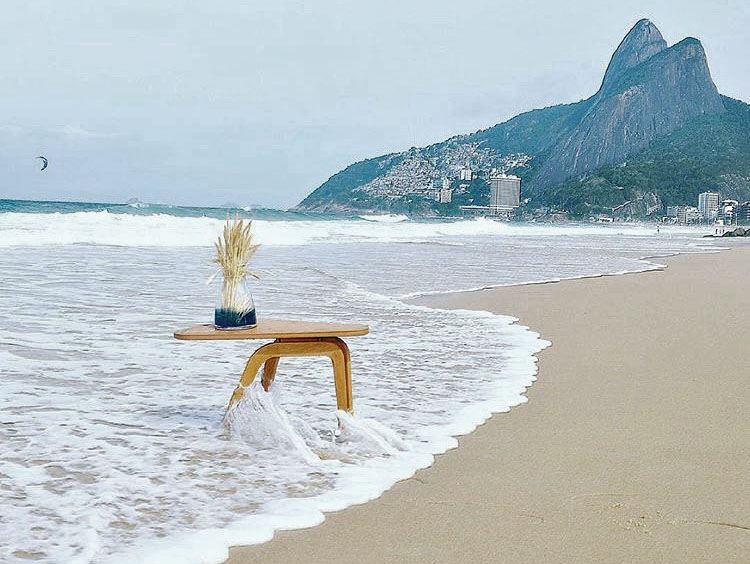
(426, 298)
(413, 505)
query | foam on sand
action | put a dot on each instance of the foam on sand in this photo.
(113, 446)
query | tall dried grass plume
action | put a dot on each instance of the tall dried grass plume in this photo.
(234, 251)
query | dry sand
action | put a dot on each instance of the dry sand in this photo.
(634, 445)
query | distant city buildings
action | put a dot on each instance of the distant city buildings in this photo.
(673, 211)
(684, 214)
(726, 211)
(711, 209)
(742, 214)
(689, 214)
(445, 194)
(708, 205)
(466, 174)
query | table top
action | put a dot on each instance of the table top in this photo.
(274, 329)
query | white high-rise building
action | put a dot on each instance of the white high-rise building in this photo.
(465, 173)
(505, 192)
(708, 205)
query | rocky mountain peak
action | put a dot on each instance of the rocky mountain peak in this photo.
(642, 42)
(649, 91)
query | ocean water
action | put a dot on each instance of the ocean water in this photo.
(113, 445)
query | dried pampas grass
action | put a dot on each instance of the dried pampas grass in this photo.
(234, 250)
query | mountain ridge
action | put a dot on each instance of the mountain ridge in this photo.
(649, 90)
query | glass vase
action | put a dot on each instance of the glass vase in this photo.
(235, 308)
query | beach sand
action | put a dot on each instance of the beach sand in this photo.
(634, 445)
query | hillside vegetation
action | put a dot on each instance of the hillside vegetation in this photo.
(709, 153)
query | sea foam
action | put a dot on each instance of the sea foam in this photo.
(164, 230)
(114, 434)
(113, 443)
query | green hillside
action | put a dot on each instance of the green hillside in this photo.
(709, 153)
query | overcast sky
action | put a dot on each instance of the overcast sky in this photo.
(201, 103)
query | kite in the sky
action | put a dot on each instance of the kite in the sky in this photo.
(45, 162)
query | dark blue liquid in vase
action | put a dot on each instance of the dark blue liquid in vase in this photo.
(231, 319)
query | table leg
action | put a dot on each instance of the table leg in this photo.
(269, 372)
(342, 374)
(268, 356)
(248, 375)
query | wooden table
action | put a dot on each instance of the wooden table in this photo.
(291, 338)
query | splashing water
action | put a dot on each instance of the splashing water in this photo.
(113, 443)
(259, 420)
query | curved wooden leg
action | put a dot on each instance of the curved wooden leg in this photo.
(248, 375)
(269, 372)
(268, 356)
(342, 375)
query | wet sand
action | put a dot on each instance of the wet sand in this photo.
(634, 445)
